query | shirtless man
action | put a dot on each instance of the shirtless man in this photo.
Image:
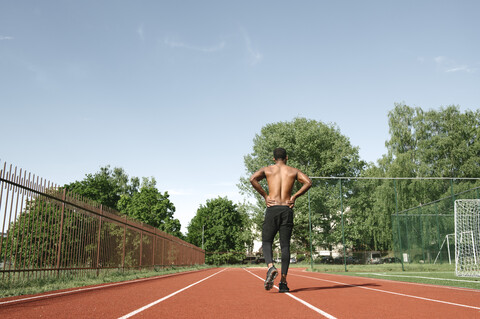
(279, 212)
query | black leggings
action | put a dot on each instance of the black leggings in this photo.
(277, 219)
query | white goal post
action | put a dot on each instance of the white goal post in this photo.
(467, 237)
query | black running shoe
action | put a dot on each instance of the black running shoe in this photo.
(282, 287)
(272, 273)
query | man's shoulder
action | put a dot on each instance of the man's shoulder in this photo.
(268, 168)
(293, 169)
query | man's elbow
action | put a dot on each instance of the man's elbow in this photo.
(309, 183)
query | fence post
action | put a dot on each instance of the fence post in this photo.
(343, 228)
(453, 194)
(398, 223)
(124, 243)
(438, 230)
(59, 249)
(310, 230)
(163, 251)
(8, 187)
(154, 246)
(98, 239)
(2, 173)
(408, 241)
(421, 233)
(141, 249)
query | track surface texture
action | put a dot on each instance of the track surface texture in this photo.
(239, 293)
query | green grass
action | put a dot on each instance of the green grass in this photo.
(20, 286)
(443, 274)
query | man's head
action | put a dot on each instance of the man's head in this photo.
(280, 154)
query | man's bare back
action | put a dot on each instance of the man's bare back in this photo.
(280, 179)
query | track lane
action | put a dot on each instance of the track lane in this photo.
(156, 302)
(440, 294)
(233, 293)
(110, 302)
(347, 297)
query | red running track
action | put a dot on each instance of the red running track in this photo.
(239, 293)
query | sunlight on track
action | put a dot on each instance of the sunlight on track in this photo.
(323, 313)
(166, 297)
(389, 292)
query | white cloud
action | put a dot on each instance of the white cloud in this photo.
(5, 38)
(460, 68)
(205, 49)
(448, 65)
(254, 55)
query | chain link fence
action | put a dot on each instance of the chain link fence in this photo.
(370, 220)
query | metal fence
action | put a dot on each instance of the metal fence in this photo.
(354, 218)
(425, 233)
(47, 230)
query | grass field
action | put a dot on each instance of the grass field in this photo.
(39, 285)
(443, 274)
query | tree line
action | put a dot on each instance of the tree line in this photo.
(433, 143)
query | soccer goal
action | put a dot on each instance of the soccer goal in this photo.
(448, 248)
(467, 237)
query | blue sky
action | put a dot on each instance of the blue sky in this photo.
(177, 90)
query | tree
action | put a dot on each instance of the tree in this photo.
(106, 186)
(33, 229)
(434, 143)
(113, 188)
(33, 238)
(225, 230)
(152, 207)
(317, 149)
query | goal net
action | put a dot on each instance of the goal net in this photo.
(467, 237)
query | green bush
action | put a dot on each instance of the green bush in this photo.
(301, 257)
(228, 258)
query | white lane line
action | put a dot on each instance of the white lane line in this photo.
(391, 292)
(420, 277)
(166, 297)
(323, 313)
(92, 288)
(405, 282)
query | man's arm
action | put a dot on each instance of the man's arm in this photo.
(307, 183)
(255, 179)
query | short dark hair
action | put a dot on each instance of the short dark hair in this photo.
(279, 153)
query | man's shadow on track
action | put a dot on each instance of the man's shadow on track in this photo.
(332, 287)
